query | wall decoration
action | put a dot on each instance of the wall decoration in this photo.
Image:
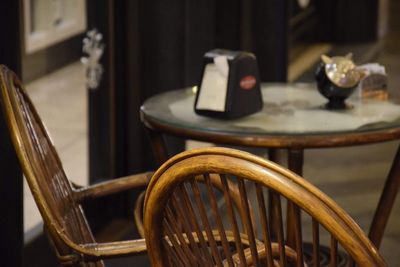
(93, 47)
(47, 22)
(303, 3)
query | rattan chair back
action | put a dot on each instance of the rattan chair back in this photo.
(190, 222)
(63, 216)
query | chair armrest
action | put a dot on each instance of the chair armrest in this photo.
(113, 249)
(112, 186)
(96, 251)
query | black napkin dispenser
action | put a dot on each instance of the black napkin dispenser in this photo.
(230, 85)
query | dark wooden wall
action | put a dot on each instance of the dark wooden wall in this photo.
(343, 21)
(11, 204)
(157, 46)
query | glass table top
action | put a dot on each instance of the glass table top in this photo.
(289, 109)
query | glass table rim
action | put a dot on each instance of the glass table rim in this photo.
(390, 131)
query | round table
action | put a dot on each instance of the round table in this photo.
(294, 117)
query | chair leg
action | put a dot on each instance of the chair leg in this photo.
(386, 202)
(293, 221)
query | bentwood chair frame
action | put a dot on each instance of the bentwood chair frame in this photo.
(184, 225)
(59, 200)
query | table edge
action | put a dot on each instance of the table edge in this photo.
(275, 141)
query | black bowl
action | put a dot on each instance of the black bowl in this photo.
(335, 94)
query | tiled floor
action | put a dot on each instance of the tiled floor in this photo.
(352, 176)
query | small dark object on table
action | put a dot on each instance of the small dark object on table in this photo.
(337, 78)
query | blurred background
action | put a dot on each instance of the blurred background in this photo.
(150, 47)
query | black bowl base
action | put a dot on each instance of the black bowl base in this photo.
(335, 104)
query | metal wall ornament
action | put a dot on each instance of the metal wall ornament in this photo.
(94, 48)
(303, 3)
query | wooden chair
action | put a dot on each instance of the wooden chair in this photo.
(58, 200)
(189, 223)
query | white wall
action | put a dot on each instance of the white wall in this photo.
(47, 22)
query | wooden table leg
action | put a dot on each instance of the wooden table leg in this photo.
(295, 164)
(296, 160)
(158, 145)
(386, 202)
(272, 156)
(293, 217)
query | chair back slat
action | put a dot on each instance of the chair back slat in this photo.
(187, 226)
(277, 221)
(217, 219)
(202, 204)
(176, 259)
(264, 225)
(298, 235)
(232, 219)
(272, 225)
(176, 229)
(247, 222)
(205, 222)
(202, 245)
(315, 242)
(334, 252)
(177, 245)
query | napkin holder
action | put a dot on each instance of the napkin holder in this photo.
(230, 85)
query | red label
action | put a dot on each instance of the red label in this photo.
(248, 82)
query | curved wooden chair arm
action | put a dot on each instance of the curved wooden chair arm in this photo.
(116, 248)
(138, 213)
(97, 251)
(111, 187)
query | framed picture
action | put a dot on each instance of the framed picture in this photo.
(47, 22)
